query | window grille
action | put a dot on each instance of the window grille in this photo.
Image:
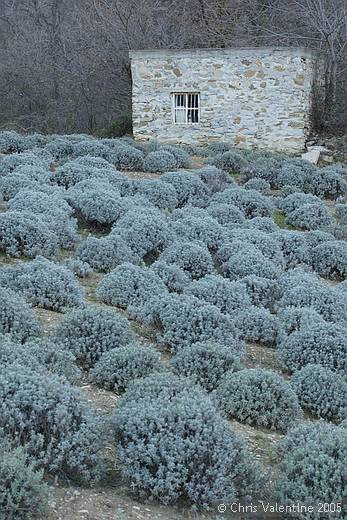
(186, 108)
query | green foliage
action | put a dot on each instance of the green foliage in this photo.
(259, 397)
(122, 125)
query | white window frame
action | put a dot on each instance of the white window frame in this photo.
(184, 108)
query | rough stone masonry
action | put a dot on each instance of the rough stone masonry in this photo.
(249, 97)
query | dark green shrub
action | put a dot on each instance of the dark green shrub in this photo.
(23, 494)
(119, 366)
(312, 468)
(259, 397)
(91, 331)
(178, 446)
(206, 363)
(122, 125)
(321, 392)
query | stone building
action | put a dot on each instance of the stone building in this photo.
(249, 97)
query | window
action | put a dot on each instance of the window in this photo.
(186, 108)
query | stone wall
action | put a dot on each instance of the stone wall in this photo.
(257, 97)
